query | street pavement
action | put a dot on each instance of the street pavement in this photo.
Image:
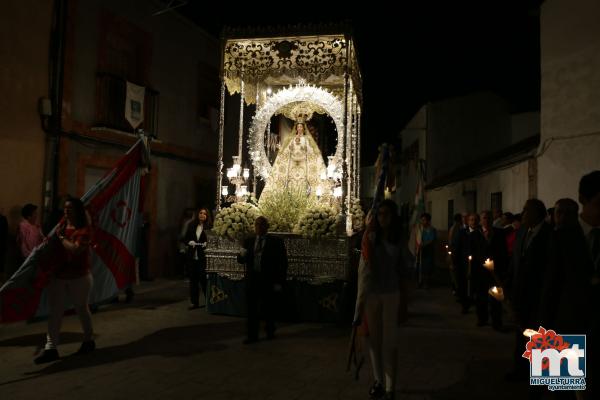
(155, 348)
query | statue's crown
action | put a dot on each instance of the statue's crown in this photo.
(301, 118)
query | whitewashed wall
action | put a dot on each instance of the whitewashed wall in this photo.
(570, 98)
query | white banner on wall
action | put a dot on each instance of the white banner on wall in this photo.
(134, 104)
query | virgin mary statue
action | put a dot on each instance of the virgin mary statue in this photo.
(298, 166)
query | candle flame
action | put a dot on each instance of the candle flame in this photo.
(470, 258)
(497, 293)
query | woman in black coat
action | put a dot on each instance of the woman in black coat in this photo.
(195, 240)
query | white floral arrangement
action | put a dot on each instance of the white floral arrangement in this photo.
(318, 221)
(237, 221)
(283, 208)
(358, 215)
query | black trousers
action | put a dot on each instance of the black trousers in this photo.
(462, 283)
(197, 272)
(486, 304)
(260, 300)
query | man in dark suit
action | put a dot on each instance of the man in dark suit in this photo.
(266, 268)
(567, 283)
(530, 259)
(589, 220)
(467, 255)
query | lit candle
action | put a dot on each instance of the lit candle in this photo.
(529, 332)
(224, 190)
(449, 253)
(488, 264)
(497, 293)
(246, 173)
(319, 191)
(469, 277)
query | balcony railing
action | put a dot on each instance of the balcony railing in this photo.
(110, 105)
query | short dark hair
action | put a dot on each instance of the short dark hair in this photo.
(509, 217)
(263, 219)
(568, 205)
(458, 218)
(28, 210)
(427, 216)
(589, 185)
(518, 217)
(538, 207)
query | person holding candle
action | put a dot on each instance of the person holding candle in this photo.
(494, 272)
(453, 233)
(468, 243)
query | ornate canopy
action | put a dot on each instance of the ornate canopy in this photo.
(277, 61)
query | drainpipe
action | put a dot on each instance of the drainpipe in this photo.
(51, 109)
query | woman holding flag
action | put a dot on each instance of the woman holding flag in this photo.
(381, 299)
(72, 276)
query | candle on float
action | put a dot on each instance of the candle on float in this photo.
(489, 264)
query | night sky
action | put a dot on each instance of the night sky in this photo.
(414, 52)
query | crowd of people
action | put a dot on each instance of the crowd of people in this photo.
(543, 262)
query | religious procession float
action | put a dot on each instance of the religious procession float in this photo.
(296, 163)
